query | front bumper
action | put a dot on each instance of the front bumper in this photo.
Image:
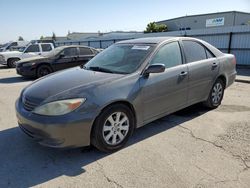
(26, 71)
(68, 131)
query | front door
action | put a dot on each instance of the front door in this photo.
(67, 58)
(32, 50)
(165, 92)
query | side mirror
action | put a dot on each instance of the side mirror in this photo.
(155, 68)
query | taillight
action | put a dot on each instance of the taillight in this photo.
(234, 61)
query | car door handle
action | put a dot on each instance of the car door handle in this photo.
(183, 73)
(215, 65)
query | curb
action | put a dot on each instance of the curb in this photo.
(242, 81)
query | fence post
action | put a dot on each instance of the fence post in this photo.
(100, 44)
(229, 42)
(88, 43)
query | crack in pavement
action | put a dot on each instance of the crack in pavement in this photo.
(106, 177)
(246, 167)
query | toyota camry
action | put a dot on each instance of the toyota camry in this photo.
(126, 86)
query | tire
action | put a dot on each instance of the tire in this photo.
(216, 94)
(120, 132)
(11, 63)
(43, 70)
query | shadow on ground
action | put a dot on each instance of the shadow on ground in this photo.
(24, 163)
(4, 67)
(16, 79)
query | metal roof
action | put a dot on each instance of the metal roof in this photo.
(196, 15)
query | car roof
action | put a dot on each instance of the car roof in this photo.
(148, 40)
(75, 46)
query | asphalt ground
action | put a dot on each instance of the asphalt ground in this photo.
(194, 147)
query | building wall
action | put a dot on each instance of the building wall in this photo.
(199, 21)
(242, 19)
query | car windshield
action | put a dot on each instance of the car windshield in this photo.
(121, 58)
(6, 45)
(54, 52)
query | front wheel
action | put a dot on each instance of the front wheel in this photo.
(216, 94)
(43, 70)
(112, 128)
(11, 63)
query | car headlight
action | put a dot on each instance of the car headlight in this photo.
(57, 108)
(28, 64)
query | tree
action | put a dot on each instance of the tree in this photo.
(153, 27)
(53, 36)
(20, 38)
(41, 38)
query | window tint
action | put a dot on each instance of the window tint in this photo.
(209, 54)
(85, 51)
(33, 48)
(46, 47)
(169, 55)
(194, 51)
(70, 52)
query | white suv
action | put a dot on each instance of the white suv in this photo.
(10, 58)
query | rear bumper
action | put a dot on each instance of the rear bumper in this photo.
(68, 131)
(231, 78)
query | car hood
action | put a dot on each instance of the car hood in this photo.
(71, 83)
(33, 59)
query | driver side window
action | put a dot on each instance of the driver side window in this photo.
(33, 48)
(69, 52)
(169, 55)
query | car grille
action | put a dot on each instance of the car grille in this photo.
(29, 104)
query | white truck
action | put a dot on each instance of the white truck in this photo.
(10, 58)
(13, 45)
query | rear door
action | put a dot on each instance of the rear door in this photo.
(203, 68)
(165, 92)
(46, 48)
(67, 58)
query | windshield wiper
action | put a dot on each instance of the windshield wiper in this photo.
(100, 69)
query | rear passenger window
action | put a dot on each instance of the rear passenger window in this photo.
(46, 47)
(169, 55)
(194, 51)
(85, 51)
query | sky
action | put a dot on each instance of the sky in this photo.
(34, 18)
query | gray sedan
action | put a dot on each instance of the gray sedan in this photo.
(124, 87)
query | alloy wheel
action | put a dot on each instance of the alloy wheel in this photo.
(115, 128)
(217, 93)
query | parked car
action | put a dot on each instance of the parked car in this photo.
(13, 45)
(10, 58)
(58, 59)
(124, 87)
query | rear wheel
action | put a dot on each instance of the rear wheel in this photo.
(216, 94)
(112, 128)
(11, 63)
(43, 70)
